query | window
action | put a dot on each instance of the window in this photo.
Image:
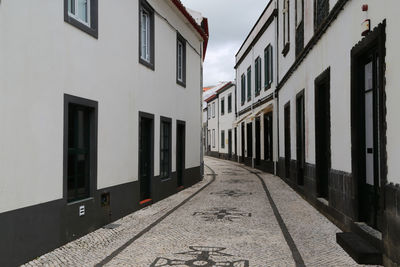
(229, 103)
(165, 148)
(181, 60)
(213, 137)
(268, 60)
(321, 11)
(286, 27)
(258, 76)
(299, 26)
(243, 89)
(222, 106)
(222, 139)
(80, 147)
(146, 34)
(249, 84)
(213, 109)
(208, 111)
(82, 14)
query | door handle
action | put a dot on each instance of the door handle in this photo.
(370, 150)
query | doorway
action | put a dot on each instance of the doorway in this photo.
(146, 154)
(236, 143)
(323, 133)
(230, 144)
(243, 142)
(287, 140)
(180, 152)
(368, 131)
(258, 142)
(300, 138)
(250, 140)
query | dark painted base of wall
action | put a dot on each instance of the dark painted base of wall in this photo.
(222, 156)
(30, 232)
(342, 204)
(391, 232)
(265, 166)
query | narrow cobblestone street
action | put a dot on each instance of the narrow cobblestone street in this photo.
(236, 217)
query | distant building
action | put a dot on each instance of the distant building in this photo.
(89, 134)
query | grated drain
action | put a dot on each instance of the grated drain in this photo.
(111, 226)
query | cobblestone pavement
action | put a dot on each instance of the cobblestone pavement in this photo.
(235, 221)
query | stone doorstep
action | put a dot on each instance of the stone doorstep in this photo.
(359, 249)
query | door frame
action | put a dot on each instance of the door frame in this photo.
(149, 117)
(374, 40)
(180, 123)
(230, 152)
(287, 141)
(257, 141)
(324, 79)
(300, 165)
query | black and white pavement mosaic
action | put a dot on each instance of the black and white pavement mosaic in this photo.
(248, 219)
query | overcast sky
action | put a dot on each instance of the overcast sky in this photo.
(229, 22)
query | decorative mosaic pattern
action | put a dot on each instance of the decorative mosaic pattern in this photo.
(222, 214)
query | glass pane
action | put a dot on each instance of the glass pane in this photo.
(368, 76)
(71, 6)
(83, 10)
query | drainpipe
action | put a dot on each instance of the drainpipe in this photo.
(276, 95)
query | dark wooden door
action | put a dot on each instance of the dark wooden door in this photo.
(236, 141)
(243, 142)
(323, 134)
(369, 158)
(180, 153)
(287, 141)
(258, 142)
(300, 138)
(145, 157)
(230, 143)
(250, 140)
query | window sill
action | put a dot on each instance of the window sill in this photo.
(80, 201)
(76, 23)
(183, 84)
(286, 49)
(147, 64)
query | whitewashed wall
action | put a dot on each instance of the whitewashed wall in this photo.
(43, 58)
(226, 121)
(333, 51)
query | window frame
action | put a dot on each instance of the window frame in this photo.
(213, 109)
(223, 139)
(249, 84)
(230, 103)
(286, 27)
(144, 5)
(257, 74)
(93, 135)
(90, 27)
(182, 41)
(222, 106)
(268, 66)
(243, 89)
(163, 121)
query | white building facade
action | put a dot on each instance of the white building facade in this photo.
(256, 76)
(90, 134)
(338, 132)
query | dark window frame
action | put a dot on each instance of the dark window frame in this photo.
(180, 39)
(268, 67)
(166, 120)
(93, 135)
(249, 84)
(243, 89)
(286, 28)
(222, 106)
(257, 74)
(223, 139)
(269, 146)
(93, 30)
(230, 103)
(299, 26)
(143, 4)
(320, 15)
